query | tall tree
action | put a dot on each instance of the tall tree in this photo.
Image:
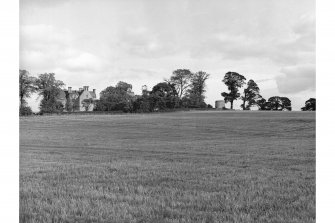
(310, 105)
(196, 92)
(275, 103)
(250, 95)
(27, 86)
(181, 80)
(49, 88)
(234, 81)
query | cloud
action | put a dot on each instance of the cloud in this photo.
(45, 47)
(143, 42)
(296, 79)
(263, 80)
(305, 25)
(83, 61)
(43, 37)
(233, 47)
(298, 46)
(301, 48)
(43, 3)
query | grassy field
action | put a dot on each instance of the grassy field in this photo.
(174, 167)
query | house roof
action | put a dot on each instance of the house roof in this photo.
(65, 93)
(93, 94)
(72, 93)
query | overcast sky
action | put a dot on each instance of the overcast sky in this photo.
(99, 43)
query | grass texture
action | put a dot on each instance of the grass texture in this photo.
(204, 166)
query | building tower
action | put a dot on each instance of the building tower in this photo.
(145, 90)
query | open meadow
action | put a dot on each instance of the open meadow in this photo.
(197, 166)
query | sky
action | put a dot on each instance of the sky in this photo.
(98, 43)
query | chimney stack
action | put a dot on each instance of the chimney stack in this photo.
(85, 88)
(94, 91)
(70, 89)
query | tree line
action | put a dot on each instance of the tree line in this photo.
(183, 89)
(251, 94)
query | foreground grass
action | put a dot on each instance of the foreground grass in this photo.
(174, 167)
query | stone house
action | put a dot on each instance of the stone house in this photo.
(72, 100)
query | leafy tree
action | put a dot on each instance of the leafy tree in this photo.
(286, 104)
(99, 106)
(262, 104)
(51, 106)
(279, 103)
(234, 81)
(195, 95)
(27, 86)
(310, 105)
(123, 85)
(87, 103)
(181, 80)
(116, 98)
(49, 88)
(274, 103)
(163, 96)
(143, 104)
(250, 95)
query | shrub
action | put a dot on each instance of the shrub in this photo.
(25, 110)
(51, 106)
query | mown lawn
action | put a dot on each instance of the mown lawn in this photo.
(211, 166)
